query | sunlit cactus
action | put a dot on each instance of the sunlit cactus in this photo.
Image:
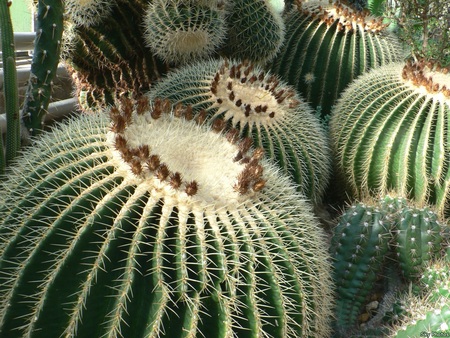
(180, 31)
(262, 108)
(151, 225)
(389, 132)
(328, 45)
(88, 12)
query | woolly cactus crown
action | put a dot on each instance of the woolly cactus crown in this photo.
(129, 231)
(260, 107)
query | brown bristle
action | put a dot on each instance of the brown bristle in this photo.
(272, 115)
(153, 162)
(232, 135)
(245, 144)
(119, 124)
(143, 151)
(201, 117)
(233, 72)
(238, 157)
(162, 172)
(156, 111)
(218, 125)
(143, 105)
(259, 185)
(120, 142)
(231, 96)
(238, 103)
(230, 85)
(175, 180)
(248, 109)
(188, 114)
(178, 110)
(219, 101)
(191, 188)
(136, 166)
(258, 153)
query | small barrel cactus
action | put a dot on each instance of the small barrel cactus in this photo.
(255, 30)
(179, 31)
(327, 45)
(389, 132)
(151, 225)
(88, 12)
(360, 244)
(261, 107)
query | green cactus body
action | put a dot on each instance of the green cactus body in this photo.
(255, 30)
(328, 45)
(418, 240)
(360, 243)
(153, 228)
(47, 46)
(389, 132)
(180, 31)
(110, 58)
(89, 12)
(260, 107)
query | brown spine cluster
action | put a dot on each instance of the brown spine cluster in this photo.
(244, 74)
(140, 159)
(346, 15)
(416, 73)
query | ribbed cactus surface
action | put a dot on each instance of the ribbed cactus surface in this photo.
(150, 226)
(327, 45)
(260, 107)
(389, 131)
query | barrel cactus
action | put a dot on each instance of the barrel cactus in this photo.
(109, 58)
(261, 107)
(255, 30)
(89, 12)
(179, 31)
(327, 45)
(150, 225)
(389, 131)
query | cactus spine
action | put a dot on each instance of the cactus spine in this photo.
(156, 228)
(261, 107)
(179, 31)
(327, 46)
(47, 46)
(89, 12)
(395, 136)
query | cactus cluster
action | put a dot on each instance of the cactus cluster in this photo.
(389, 132)
(327, 46)
(150, 224)
(365, 236)
(261, 107)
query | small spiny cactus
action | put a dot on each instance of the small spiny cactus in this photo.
(262, 108)
(150, 225)
(327, 45)
(389, 132)
(89, 12)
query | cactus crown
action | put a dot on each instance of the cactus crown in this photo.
(250, 96)
(163, 160)
(349, 18)
(429, 75)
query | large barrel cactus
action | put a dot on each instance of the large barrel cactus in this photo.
(152, 226)
(327, 45)
(261, 107)
(390, 132)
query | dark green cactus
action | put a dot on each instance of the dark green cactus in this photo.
(389, 132)
(110, 58)
(360, 244)
(261, 107)
(256, 29)
(181, 31)
(418, 240)
(150, 226)
(328, 45)
(11, 93)
(46, 56)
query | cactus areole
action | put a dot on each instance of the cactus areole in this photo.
(152, 225)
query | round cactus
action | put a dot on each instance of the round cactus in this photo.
(180, 31)
(327, 45)
(360, 244)
(262, 108)
(256, 30)
(88, 12)
(150, 226)
(110, 58)
(389, 132)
